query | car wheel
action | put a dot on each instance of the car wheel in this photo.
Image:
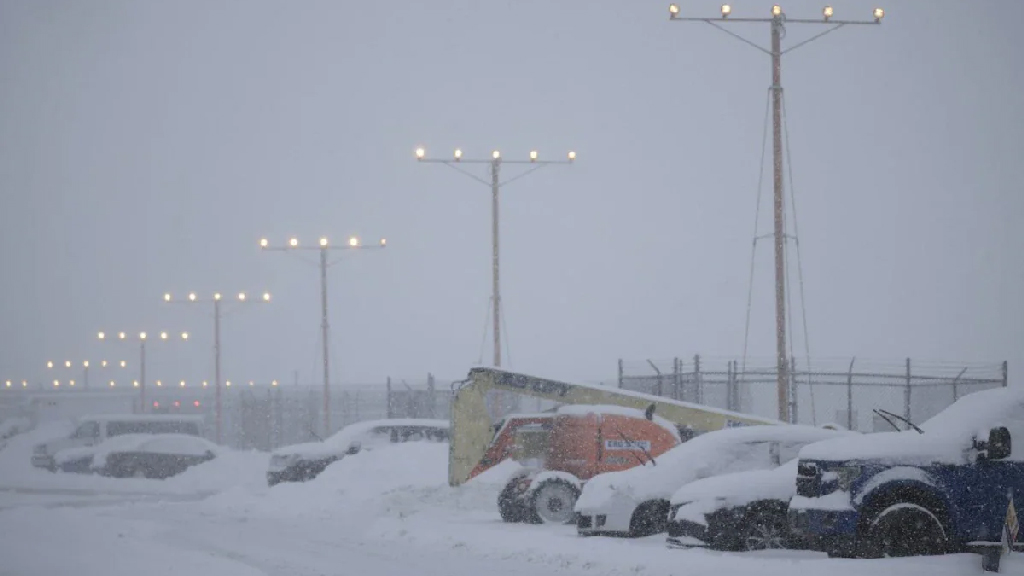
(649, 518)
(509, 507)
(553, 502)
(907, 529)
(765, 532)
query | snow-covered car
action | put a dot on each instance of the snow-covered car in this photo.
(93, 430)
(150, 455)
(635, 502)
(737, 511)
(77, 459)
(302, 462)
(11, 427)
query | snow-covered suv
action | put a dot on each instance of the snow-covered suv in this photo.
(943, 486)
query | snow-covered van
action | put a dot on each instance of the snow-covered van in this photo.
(92, 430)
(943, 486)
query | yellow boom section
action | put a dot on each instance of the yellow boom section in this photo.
(471, 430)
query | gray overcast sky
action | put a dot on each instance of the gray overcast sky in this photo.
(147, 146)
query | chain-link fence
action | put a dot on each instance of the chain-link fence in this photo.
(256, 415)
(828, 390)
(282, 415)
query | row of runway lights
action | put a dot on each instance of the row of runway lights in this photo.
(135, 383)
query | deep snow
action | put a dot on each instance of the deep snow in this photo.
(387, 511)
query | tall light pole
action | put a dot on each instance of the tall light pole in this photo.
(323, 246)
(777, 22)
(85, 367)
(216, 300)
(495, 184)
(142, 338)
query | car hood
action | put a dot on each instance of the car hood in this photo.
(639, 484)
(312, 450)
(56, 445)
(741, 488)
(74, 453)
(907, 448)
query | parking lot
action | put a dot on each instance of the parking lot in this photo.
(389, 511)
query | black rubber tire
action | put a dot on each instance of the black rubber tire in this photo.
(649, 518)
(553, 495)
(765, 530)
(509, 507)
(906, 530)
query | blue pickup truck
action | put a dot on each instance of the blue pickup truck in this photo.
(943, 486)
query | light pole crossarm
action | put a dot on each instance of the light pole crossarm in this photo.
(785, 20)
(715, 24)
(320, 248)
(528, 172)
(451, 164)
(835, 25)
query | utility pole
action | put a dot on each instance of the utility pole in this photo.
(324, 246)
(495, 162)
(777, 22)
(216, 300)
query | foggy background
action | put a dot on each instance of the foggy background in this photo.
(147, 147)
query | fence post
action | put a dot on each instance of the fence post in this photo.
(277, 419)
(794, 417)
(906, 394)
(698, 385)
(430, 391)
(956, 392)
(660, 389)
(1006, 374)
(387, 410)
(620, 372)
(849, 395)
(728, 387)
(676, 368)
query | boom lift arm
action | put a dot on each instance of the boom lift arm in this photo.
(471, 430)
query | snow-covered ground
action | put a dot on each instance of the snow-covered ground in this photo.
(381, 512)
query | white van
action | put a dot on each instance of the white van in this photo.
(92, 430)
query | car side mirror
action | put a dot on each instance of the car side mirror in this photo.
(999, 443)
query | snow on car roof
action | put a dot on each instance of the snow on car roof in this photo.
(978, 410)
(339, 442)
(706, 455)
(947, 435)
(367, 425)
(584, 409)
(183, 444)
